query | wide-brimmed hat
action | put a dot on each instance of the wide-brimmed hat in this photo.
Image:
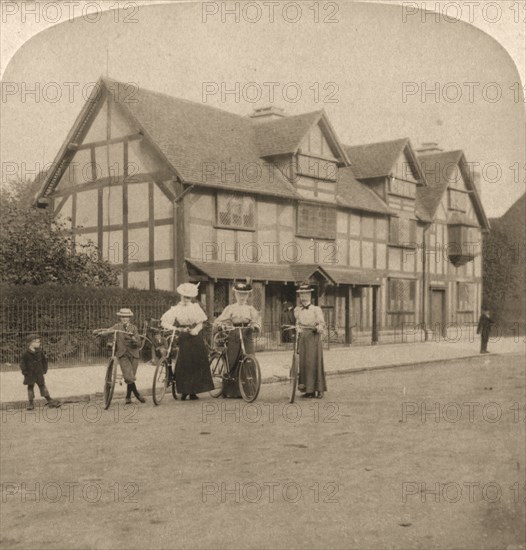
(304, 288)
(188, 289)
(243, 287)
(125, 312)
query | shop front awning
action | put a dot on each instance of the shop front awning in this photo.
(347, 277)
(284, 273)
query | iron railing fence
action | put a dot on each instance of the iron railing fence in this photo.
(66, 329)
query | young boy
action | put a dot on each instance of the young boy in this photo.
(127, 350)
(33, 365)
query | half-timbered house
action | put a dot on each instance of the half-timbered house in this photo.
(172, 190)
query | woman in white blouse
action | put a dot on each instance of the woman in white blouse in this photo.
(310, 318)
(239, 314)
(192, 371)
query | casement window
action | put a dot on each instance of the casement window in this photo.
(402, 188)
(457, 200)
(465, 297)
(402, 232)
(316, 221)
(236, 211)
(402, 295)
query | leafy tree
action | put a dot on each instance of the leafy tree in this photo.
(37, 249)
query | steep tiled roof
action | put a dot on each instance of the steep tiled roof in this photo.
(434, 167)
(354, 194)
(284, 135)
(205, 145)
(375, 159)
(439, 171)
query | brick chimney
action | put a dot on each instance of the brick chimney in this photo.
(264, 114)
(429, 147)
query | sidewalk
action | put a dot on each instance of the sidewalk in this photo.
(83, 383)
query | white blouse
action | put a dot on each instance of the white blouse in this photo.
(310, 317)
(237, 313)
(189, 314)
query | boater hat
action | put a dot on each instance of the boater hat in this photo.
(304, 289)
(125, 312)
(188, 289)
(243, 287)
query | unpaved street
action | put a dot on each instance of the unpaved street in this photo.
(416, 457)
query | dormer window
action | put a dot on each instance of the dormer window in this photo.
(402, 188)
(457, 200)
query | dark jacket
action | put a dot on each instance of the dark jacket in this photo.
(33, 365)
(127, 345)
(287, 317)
(485, 324)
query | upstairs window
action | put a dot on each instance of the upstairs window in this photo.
(236, 211)
(402, 232)
(457, 200)
(316, 221)
(402, 295)
(402, 188)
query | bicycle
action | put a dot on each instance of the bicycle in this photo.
(164, 375)
(294, 372)
(112, 375)
(246, 373)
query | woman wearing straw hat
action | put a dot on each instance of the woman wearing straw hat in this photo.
(192, 370)
(310, 318)
(239, 314)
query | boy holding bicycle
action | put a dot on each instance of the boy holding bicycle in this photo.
(127, 350)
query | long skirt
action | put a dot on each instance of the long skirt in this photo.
(312, 373)
(231, 387)
(192, 370)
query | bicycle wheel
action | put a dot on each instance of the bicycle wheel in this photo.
(172, 368)
(249, 378)
(109, 382)
(293, 380)
(160, 381)
(217, 369)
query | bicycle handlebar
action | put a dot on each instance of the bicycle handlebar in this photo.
(103, 331)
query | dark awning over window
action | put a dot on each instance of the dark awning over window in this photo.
(347, 277)
(286, 273)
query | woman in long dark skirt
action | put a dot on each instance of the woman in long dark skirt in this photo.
(310, 318)
(192, 370)
(242, 315)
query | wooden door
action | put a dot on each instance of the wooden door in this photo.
(438, 306)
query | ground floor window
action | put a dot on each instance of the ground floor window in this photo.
(465, 297)
(401, 295)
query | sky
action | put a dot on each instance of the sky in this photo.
(380, 70)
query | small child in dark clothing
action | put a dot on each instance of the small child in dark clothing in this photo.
(33, 365)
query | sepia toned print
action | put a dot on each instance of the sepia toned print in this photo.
(309, 220)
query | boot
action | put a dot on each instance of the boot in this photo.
(193, 397)
(128, 394)
(30, 406)
(50, 401)
(137, 394)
